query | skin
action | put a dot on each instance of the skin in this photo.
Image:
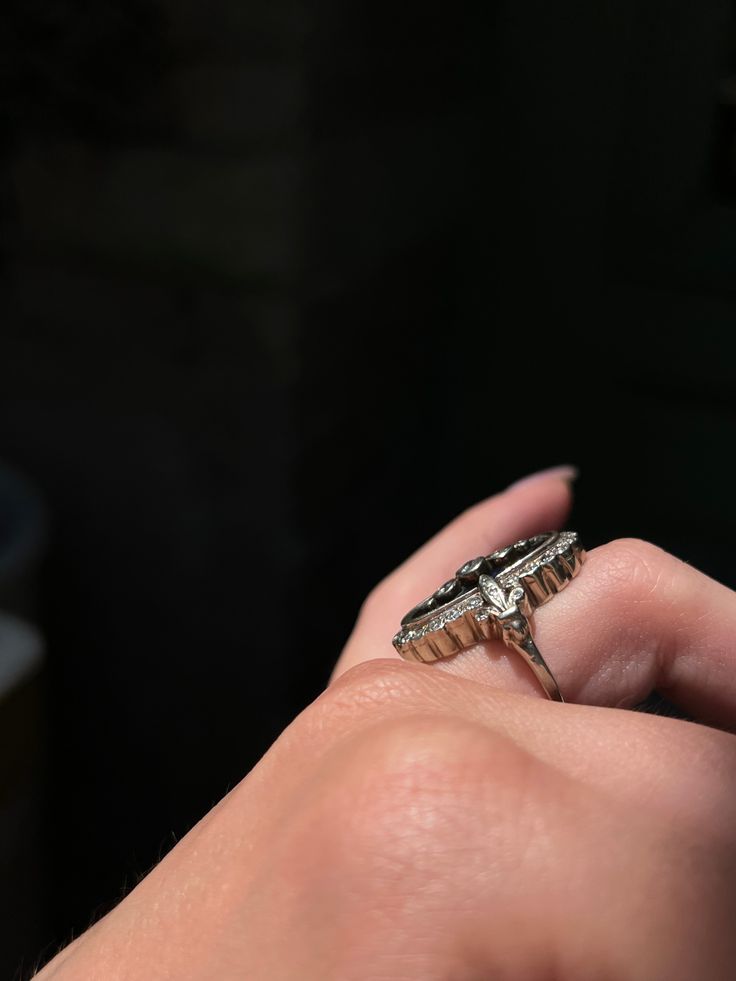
(445, 822)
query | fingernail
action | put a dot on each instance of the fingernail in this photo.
(565, 472)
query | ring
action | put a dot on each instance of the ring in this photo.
(493, 597)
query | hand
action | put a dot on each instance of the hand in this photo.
(444, 822)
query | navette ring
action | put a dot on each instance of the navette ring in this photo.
(493, 597)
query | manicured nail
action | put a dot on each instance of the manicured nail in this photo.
(566, 472)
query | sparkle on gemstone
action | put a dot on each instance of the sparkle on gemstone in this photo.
(507, 581)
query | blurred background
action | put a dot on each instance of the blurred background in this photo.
(262, 265)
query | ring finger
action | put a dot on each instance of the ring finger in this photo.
(636, 619)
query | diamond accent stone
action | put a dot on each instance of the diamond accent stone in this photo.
(410, 634)
(509, 580)
(505, 583)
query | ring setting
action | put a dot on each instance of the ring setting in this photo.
(493, 597)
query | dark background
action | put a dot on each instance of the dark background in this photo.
(285, 286)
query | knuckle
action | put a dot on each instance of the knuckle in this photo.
(633, 567)
(374, 688)
(391, 830)
(410, 797)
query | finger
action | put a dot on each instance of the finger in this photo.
(635, 620)
(638, 619)
(535, 504)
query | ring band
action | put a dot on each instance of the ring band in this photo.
(493, 597)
